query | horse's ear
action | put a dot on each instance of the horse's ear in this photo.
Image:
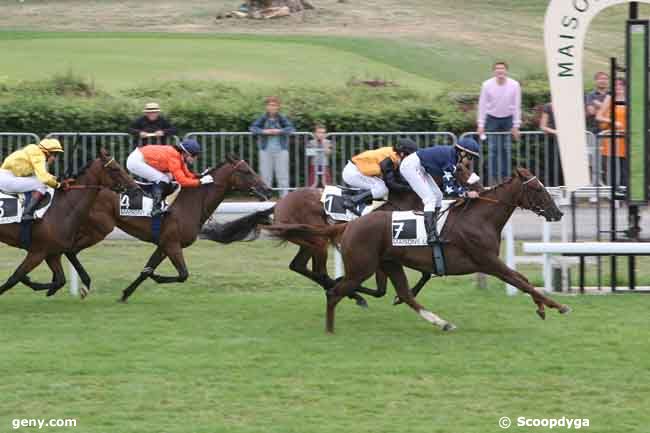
(232, 158)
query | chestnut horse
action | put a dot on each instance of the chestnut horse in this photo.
(179, 229)
(303, 206)
(55, 233)
(473, 232)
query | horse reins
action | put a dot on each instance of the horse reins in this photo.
(497, 201)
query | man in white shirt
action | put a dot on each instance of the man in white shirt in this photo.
(499, 110)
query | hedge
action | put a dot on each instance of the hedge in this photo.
(66, 103)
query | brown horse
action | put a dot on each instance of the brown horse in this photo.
(179, 229)
(473, 232)
(303, 206)
(55, 233)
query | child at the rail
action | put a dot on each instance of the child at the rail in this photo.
(421, 167)
(375, 172)
(26, 170)
(160, 164)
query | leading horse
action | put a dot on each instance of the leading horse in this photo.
(473, 232)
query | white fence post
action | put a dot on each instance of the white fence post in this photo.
(510, 254)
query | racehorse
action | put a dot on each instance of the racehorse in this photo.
(304, 206)
(473, 232)
(179, 229)
(70, 209)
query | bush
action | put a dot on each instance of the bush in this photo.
(69, 103)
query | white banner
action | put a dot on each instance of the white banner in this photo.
(565, 29)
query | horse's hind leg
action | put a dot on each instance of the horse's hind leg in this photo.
(503, 272)
(397, 276)
(153, 262)
(29, 263)
(175, 254)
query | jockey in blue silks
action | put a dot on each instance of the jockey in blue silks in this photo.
(420, 167)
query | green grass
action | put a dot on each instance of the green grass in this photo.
(240, 348)
(118, 60)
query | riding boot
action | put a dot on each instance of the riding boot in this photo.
(430, 223)
(28, 212)
(156, 193)
(352, 203)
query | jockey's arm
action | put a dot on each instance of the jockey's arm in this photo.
(391, 177)
(40, 171)
(178, 171)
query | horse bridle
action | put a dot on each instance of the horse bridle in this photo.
(524, 186)
(97, 187)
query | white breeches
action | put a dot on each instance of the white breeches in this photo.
(9, 182)
(353, 177)
(421, 182)
(135, 164)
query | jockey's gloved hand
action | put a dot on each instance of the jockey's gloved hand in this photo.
(206, 179)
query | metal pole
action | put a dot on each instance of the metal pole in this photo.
(634, 10)
(612, 168)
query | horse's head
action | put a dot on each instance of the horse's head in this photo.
(535, 197)
(112, 175)
(244, 178)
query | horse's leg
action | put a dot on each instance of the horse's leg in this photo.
(155, 259)
(299, 265)
(382, 283)
(30, 262)
(397, 276)
(341, 289)
(500, 270)
(81, 272)
(319, 266)
(175, 254)
(424, 279)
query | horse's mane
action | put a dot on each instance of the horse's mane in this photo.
(506, 181)
(82, 170)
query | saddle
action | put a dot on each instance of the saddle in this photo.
(333, 198)
(140, 203)
(12, 205)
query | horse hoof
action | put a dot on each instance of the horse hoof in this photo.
(397, 301)
(449, 327)
(121, 301)
(361, 303)
(541, 314)
(50, 293)
(565, 309)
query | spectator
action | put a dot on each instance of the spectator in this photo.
(273, 130)
(553, 175)
(152, 128)
(594, 100)
(319, 165)
(499, 110)
(604, 117)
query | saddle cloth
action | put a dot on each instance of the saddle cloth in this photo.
(332, 199)
(409, 230)
(12, 206)
(139, 204)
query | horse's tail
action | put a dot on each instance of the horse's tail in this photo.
(305, 233)
(239, 229)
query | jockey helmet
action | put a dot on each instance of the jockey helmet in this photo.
(406, 146)
(190, 146)
(51, 145)
(470, 146)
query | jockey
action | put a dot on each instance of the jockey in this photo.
(26, 170)
(419, 169)
(365, 169)
(161, 164)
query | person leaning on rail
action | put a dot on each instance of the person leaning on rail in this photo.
(25, 170)
(152, 128)
(421, 167)
(162, 164)
(374, 171)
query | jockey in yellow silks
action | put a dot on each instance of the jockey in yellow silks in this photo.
(26, 170)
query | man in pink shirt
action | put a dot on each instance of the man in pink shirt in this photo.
(499, 110)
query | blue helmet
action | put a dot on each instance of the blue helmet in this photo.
(191, 146)
(470, 146)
